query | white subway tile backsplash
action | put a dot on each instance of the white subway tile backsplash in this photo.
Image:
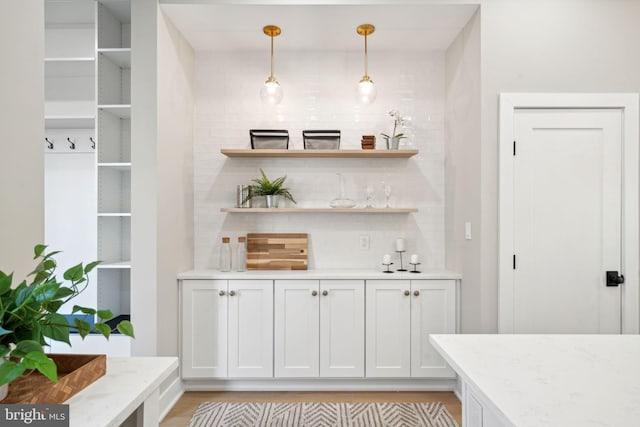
(319, 93)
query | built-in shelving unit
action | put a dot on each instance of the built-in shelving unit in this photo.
(321, 210)
(366, 154)
(88, 103)
(114, 154)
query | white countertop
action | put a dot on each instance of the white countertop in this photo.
(318, 274)
(128, 382)
(551, 380)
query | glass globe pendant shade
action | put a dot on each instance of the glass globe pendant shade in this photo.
(366, 91)
(271, 92)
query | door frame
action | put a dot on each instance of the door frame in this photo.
(628, 103)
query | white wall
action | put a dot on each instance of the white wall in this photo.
(175, 177)
(544, 46)
(462, 167)
(22, 124)
(319, 92)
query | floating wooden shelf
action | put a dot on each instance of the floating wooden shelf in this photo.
(321, 210)
(348, 154)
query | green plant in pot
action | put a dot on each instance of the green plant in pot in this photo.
(271, 190)
(29, 315)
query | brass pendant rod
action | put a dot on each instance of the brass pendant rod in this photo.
(272, 57)
(366, 70)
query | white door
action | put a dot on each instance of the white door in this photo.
(296, 324)
(342, 328)
(250, 328)
(561, 195)
(204, 328)
(388, 328)
(433, 311)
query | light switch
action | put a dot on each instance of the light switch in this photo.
(467, 230)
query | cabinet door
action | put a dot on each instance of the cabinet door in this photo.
(250, 328)
(296, 328)
(342, 328)
(388, 324)
(432, 312)
(204, 328)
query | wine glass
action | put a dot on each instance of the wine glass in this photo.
(387, 193)
(370, 201)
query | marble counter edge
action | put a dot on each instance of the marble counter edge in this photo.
(435, 340)
(329, 274)
(109, 394)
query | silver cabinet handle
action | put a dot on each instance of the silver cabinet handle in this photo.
(407, 293)
(325, 293)
(222, 293)
(416, 293)
(232, 293)
(314, 293)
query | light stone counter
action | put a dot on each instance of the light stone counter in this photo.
(326, 274)
(131, 384)
(548, 380)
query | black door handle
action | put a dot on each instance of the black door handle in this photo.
(614, 279)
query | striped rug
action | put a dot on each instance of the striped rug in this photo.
(221, 414)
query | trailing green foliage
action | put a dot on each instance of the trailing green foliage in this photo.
(29, 314)
(264, 187)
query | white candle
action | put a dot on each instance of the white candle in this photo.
(386, 259)
(414, 259)
(400, 245)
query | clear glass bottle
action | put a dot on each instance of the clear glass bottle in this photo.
(225, 255)
(241, 254)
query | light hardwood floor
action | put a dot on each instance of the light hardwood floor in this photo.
(181, 413)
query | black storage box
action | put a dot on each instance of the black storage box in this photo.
(321, 139)
(269, 139)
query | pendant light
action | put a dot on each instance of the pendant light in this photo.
(366, 89)
(271, 92)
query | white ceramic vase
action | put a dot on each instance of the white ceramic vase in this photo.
(393, 143)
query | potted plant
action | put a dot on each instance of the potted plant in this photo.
(393, 140)
(271, 190)
(29, 315)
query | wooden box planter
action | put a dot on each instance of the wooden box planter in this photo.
(75, 372)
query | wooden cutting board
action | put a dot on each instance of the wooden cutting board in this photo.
(277, 251)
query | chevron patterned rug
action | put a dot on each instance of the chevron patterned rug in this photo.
(221, 414)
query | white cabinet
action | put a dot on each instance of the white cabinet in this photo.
(227, 328)
(400, 315)
(250, 328)
(319, 328)
(297, 326)
(342, 328)
(433, 311)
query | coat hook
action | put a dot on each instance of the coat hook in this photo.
(93, 142)
(72, 144)
(49, 143)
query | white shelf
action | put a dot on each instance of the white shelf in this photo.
(384, 154)
(119, 56)
(122, 111)
(69, 122)
(321, 210)
(126, 264)
(114, 214)
(116, 166)
(69, 67)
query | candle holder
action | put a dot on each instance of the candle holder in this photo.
(415, 267)
(387, 270)
(401, 266)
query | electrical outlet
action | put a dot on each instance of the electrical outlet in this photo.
(364, 243)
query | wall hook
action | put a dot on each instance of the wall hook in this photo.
(93, 142)
(72, 144)
(49, 143)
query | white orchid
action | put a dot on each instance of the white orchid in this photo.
(398, 123)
